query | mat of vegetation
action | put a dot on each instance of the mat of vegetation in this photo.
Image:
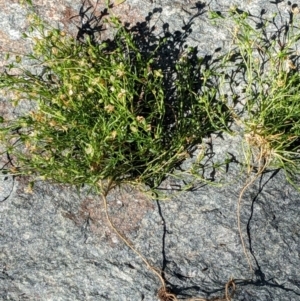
(135, 109)
(120, 109)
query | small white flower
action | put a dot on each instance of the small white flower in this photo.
(89, 150)
(122, 93)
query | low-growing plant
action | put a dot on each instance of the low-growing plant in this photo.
(126, 110)
(262, 71)
(132, 109)
(265, 62)
(110, 110)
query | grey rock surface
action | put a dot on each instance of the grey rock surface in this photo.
(55, 244)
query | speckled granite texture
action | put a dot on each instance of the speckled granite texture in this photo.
(55, 245)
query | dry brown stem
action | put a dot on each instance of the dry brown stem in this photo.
(164, 294)
(263, 155)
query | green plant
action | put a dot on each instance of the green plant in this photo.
(265, 65)
(104, 111)
(261, 70)
(103, 114)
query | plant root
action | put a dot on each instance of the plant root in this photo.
(247, 184)
(113, 227)
(164, 294)
(263, 158)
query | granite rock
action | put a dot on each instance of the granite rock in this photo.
(56, 244)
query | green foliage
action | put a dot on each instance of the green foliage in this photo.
(264, 65)
(105, 111)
